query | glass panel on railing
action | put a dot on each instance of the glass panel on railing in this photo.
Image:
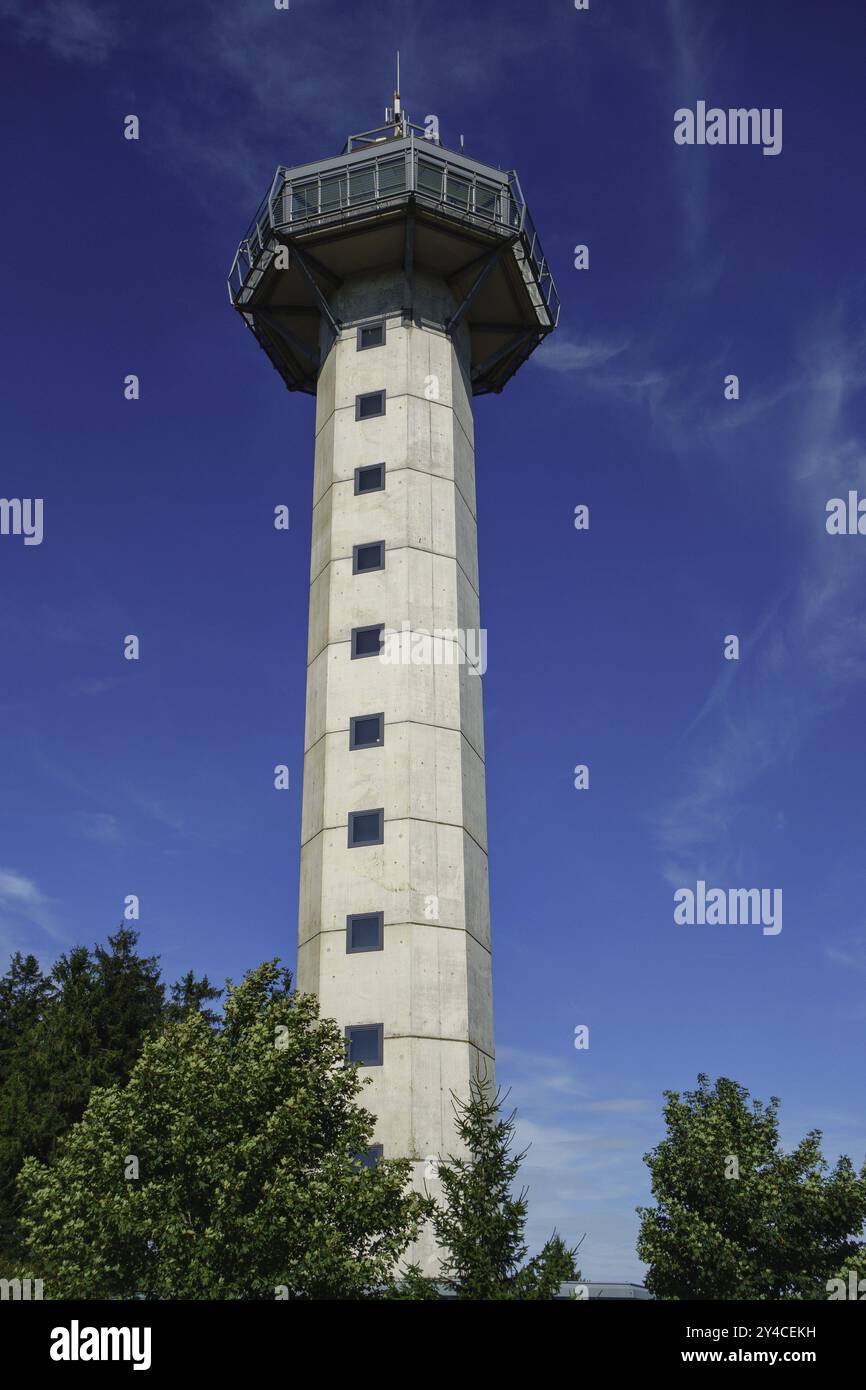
(283, 205)
(429, 178)
(485, 199)
(333, 194)
(392, 177)
(305, 200)
(457, 191)
(361, 184)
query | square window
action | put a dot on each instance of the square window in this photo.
(370, 479)
(370, 556)
(367, 641)
(365, 931)
(371, 335)
(366, 731)
(370, 404)
(370, 1157)
(364, 1044)
(366, 828)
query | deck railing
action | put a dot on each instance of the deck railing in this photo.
(297, 201)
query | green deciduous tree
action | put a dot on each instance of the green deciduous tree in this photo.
(63, 1034)
(246, 1141)
(481, 1221)
(736, 1217)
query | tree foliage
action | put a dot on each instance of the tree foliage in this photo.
(736, 1217)
(64, 1033)
(245, 1140)
(480, 1223)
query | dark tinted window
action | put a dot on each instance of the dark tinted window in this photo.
(370, 1157)
(371, 335)
(364, 931)
(367, 641)
(366, 731)
(365, 828)
(364, 1044)
(368, 557)
(371, 403)
(370, 479)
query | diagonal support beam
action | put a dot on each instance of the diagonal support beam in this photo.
(272, 318)
(484, 367)
(487, 264)
(478, 262)
(334, 280)
(306, 271)
(289, 367)
(409, 258)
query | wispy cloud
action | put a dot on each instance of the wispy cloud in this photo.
(560, 353)
(111, 787)
(696, 46)
(806, 651)
(95, 685)
(583, 1170)
(850, 953)
(74, 30)
(100, 826)
(24, 906)
(647, 375)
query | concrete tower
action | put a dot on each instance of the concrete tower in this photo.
(395, 282)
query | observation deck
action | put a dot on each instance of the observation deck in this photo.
(394, 199)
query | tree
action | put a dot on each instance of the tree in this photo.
(736, 1216)
(24, 995)
(189, 995)
(60, 1036)
(480, 1223)
(227, 1167)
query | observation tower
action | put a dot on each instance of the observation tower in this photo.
(394, 283)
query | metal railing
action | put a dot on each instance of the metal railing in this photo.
(386, 132)
(298, 201)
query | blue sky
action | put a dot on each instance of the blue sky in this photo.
(707, 517)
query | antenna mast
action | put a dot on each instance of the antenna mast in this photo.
(394, 115)
(399, 118)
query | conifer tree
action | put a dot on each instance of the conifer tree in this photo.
(480, 1224)
(63, 1034)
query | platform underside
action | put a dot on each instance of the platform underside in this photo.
(487, 269)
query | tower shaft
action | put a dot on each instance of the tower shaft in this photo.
(396, 281)
(426, 981)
